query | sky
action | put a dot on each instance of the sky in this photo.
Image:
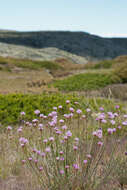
(100, 17)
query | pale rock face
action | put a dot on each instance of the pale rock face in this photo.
(23, 52)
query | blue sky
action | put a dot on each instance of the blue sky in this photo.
(101, 17)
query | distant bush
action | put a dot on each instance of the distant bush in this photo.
(11, 105)
(105, 64)
(23, 63)
(36, 64)
(88, 81)
(120, 70)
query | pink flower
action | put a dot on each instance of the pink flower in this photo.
(19, 130)
(38, 152)
(68, 133)
(124, 123)
(98, 133)
(75, 148)
(22, 113)
(76, 166)
(119, 127)
(23, 140)
(117, 106)
(67, 166)
(58, 132)
(85, 161)
(110, 131)
(54, 113)
(61, 152)
(51, 138)
(40, 169)
(37, 112)
(79, 111)
(34, 150)
(23, 161)
(35, 161)
(57, 158)
(40, 128)
(60, 107)
(100, 143)
(9, 128)
(64, 127)
(61, 172)
(40, 125)
(35, 120)
(101, 109)
(62, 158)
(113, 122)
(43, 154)
(77, 139)
(48, 149)
(30, 159)
(61, 121)
(114, 129)
(45, 140)
(103, 121)
(41, 115)
(111, 115)
(94, 133)
(71, 110)
(83, 116)
(101, 116)
(88, 110)
(65, 137)
(67, 101)
(89, 156)
(54, 108)
(116, 114)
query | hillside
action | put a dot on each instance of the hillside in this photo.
(79, 43)
(22, 52)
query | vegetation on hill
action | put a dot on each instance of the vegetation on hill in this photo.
(120, 68)
(28, 64)
(11, 105)
(105, 64)
(86, 81)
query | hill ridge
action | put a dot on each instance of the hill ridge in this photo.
(79, 43)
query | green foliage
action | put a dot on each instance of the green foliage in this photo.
(23, 63)
(11, 105)
(37, 64)
(105, 64)
(120, 70)
(88, 81)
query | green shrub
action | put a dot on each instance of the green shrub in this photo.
(23, 63)
(3, 61)
(120, 70)
(88, 81)
(105, 64)
(11, 105)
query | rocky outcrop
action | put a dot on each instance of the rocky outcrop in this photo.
(43, 54)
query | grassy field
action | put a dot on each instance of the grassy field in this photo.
(72, 147)
(87, 81)
(77, 142)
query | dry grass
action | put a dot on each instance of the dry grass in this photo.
(11, 82)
